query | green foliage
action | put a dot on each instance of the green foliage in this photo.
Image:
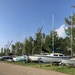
(71, 20)
(70, 31)
(43, 43)
(18, 48)
(48, 43)
(29, 45)
(13, 49)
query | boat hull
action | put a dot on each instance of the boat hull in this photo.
(19, 58)
(68, 62)
(34, 58)
(48, 59)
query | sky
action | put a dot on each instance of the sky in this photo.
(22, 18)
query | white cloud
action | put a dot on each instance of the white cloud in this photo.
(60, 31)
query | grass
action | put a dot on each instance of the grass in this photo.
(63, 69)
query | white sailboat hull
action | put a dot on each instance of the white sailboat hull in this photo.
(68, 62)
(54, 57)
(34, 58)
(51, 59)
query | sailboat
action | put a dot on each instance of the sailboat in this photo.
(72, 60)
(53, 57)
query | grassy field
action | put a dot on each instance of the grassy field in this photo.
(64, 69)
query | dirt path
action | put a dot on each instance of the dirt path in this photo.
(10, 69)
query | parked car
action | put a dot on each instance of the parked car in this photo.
(6, 57)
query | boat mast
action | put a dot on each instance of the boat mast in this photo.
(71, 37)
(53, 33)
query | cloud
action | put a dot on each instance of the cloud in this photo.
(61, 32)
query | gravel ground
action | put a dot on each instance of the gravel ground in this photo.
(10, 69)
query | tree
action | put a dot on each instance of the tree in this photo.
(39, 40)
(70, 31)
(71, 20)
(28, 45)
(18, 48)
(2, 50)
(31, 40)
(13, 49)
(48, 43)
